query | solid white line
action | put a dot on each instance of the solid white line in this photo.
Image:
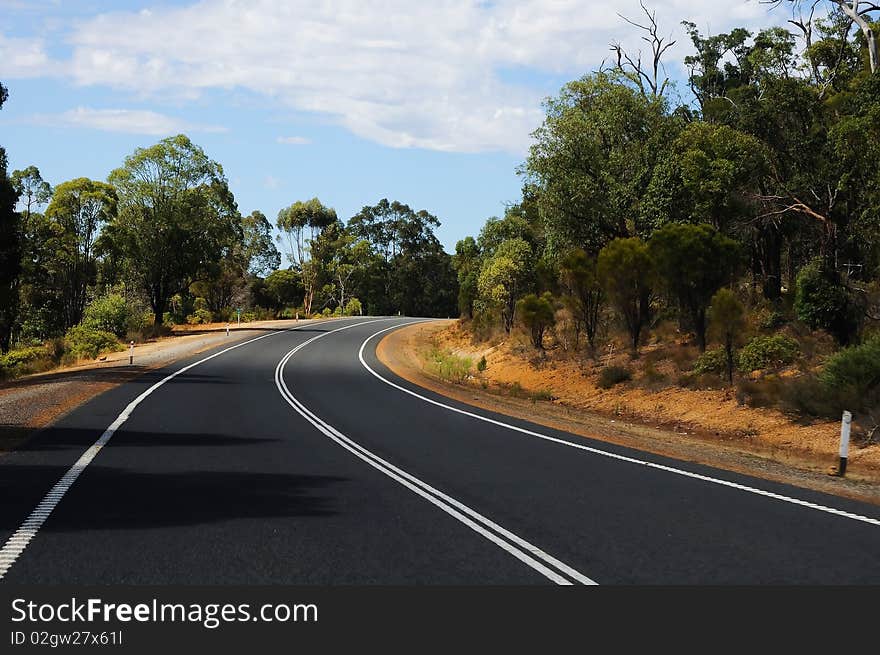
(16, 544)
(520, 548)
(605, 453)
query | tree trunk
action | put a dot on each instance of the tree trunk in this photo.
(728, 347)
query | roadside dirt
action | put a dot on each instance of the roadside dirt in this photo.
(706, 427)
(33, 402)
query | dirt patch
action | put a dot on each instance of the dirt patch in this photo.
(707, 427)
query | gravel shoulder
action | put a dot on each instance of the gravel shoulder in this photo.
(33, 402)
(401, 352)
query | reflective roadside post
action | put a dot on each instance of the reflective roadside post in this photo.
(238, 312)
(845, 425)
(131, 353)
(227, 329)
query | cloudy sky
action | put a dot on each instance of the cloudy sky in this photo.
(430, 103)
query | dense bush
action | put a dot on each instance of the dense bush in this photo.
(711, 361)
(109, 313)
(201, 314)
(852, 377)
(85, 341)
(24, 360)
(353, 307)
(612, 375)
(768, 352)
(823, 301)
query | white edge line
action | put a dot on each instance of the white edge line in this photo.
(605, 453)
(18, 542)
(526, 552)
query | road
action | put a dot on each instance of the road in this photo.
(298, 458)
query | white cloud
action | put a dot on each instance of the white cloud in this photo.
(271, 182)
(130, 121)
(24, 57)
(294, 140)
(399, 73)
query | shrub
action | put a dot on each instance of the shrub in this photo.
(353, 307)
(760, 393)
(536, 314)
(768, 352)
(85, 341)
(108, 313)
(611, 375)
(327, 312)
(852, 377)
(448, 366)
(823, 301)
(481, 365)
(200, 317)
(22, 361)
(711, 361)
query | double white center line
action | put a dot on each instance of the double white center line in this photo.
(529, 554)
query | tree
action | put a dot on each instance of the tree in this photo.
(176, 216)
(503, 276)
(350, 257)
(823, 301)
(32, 189)
(10, 252)
(593, 158)
(301, 223)
(79, 208)
(859, 12)
(466, 262)
(693, 261)
(284, 287)
(627, 273)
(580, 282)
(728, 323)
(258, 248)
(536, 314)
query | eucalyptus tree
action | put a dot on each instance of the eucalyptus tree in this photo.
(79, 209)
(32, 189)
(176, 217)
(301, 224)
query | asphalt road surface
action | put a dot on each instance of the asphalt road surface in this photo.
(298, 458)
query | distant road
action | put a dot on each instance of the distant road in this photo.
(297, 457)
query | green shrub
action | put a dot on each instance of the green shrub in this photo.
(766, 392)
(85, 341)
(108, 313)
(22, 361)
(807, 395)
(711, 361)
(611, 375)
(536, 314)
(327, 312)
(481, 365)
(353, 307)
(768, 352)
(852, 377)
(823, 301)
(448, 366)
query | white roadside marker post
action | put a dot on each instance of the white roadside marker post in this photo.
(845, 424)
(131, 353)
(227, 329)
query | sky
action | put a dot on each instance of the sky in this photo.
(430, 103)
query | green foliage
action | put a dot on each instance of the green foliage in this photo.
(765, 352)
(613, 375)
(627, 273)
(10, 253)
(822, 301)
(109, 313)
(87, 342)
(579, 279)
(481, 365)
(693, 261)
(852, 377)
(447, 366)
(503, 275)
(177, 218)
(711, 361)
(353, 307)
(536, 313)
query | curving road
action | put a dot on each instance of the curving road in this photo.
(296, 457)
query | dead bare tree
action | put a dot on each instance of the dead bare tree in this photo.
(648, 80)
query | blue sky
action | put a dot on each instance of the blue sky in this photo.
(351, 101)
